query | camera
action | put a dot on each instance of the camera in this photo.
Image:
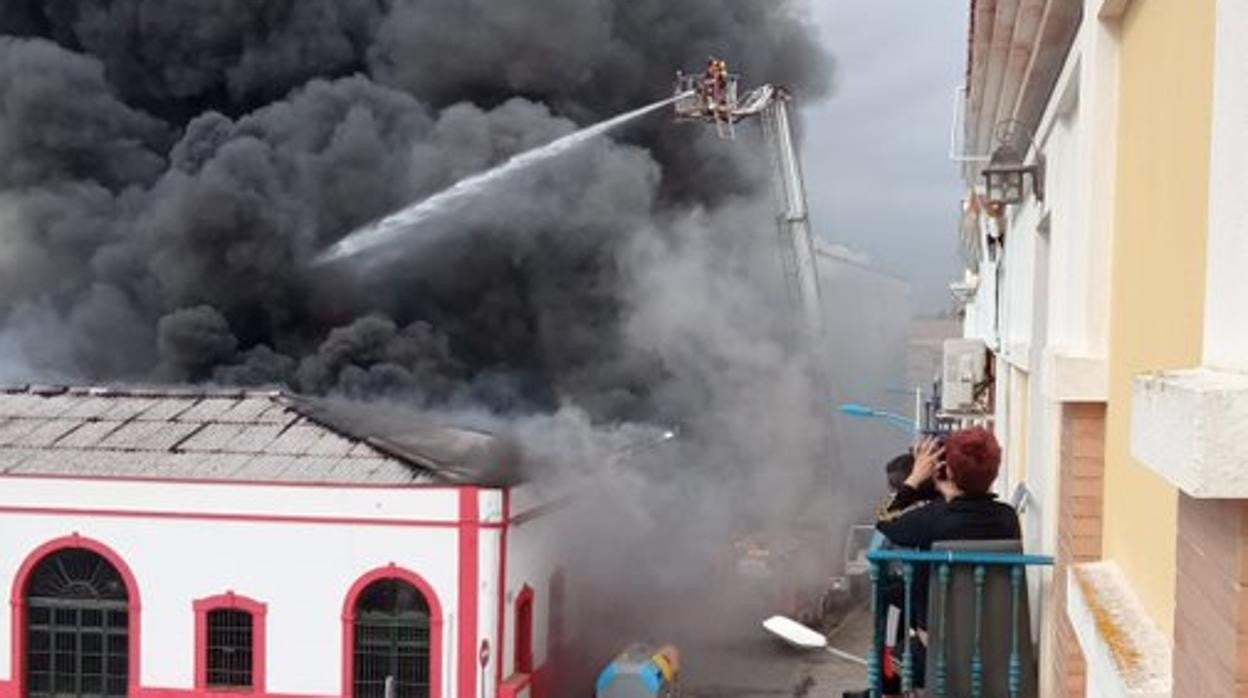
(939, 434)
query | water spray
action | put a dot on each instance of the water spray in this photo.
(392, 227)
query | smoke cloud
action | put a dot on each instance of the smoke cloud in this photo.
(167, 162)
(169, 169)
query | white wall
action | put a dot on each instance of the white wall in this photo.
(301, 570)
(1083, 147)
(489, 555)
(394, 505)
(1018, 264)
(532, 549)
(980, 319)
(1226, 332)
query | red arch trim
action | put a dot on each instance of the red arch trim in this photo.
(392, 571)
(17, 601)
(259, 645)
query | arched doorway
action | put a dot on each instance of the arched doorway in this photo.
(392, 641)
(77, 627)
(523, 659)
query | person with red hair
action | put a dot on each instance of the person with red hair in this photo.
(963, 468)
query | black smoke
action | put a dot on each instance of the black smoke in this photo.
(169, 168)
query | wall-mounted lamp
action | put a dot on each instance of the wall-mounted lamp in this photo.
(1005, 174)
(1004, 178)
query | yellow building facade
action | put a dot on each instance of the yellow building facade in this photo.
(1157, 287)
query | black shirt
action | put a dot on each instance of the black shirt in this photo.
(911, 521)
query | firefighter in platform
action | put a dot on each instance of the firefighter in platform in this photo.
(715, 85)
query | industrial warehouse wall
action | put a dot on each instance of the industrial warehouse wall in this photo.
(1159, 266)
(301, 569)
(533, 556)
(867, 317)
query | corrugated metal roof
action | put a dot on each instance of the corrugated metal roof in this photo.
(14, 428)
(147, 436)
(177, 433)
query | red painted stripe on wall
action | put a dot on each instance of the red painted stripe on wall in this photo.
(9, 690)
(294, 484)
(502, 592)
(469, 589)
(153, 692)
(240, 518)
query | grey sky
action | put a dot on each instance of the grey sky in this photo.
(875, 154)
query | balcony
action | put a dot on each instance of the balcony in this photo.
(978, 627)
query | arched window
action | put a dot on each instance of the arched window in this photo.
(392, 641)
(230, 644)
(77, 634)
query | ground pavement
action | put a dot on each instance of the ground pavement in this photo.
(753, 665)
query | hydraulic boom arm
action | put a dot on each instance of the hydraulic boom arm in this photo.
(796, 244)
(714, 98)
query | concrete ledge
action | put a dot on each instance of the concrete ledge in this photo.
(1125, 652)
(1071, 378)
(1191, 427)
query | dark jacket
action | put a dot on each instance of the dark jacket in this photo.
(910, 521)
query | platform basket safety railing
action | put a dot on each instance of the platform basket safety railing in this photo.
(979, 642)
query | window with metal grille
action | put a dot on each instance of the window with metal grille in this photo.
(77, 628)
(391, 641)
(229, 648)
(230, 643)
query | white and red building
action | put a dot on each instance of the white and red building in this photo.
(160, 544)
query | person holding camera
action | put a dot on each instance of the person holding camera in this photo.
(962, 467)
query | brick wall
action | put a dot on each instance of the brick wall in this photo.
(1211, 605)
(1080, 491)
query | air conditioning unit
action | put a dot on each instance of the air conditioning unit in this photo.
(965, 366)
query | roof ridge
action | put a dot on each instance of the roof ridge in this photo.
(304, 407)
(148, 390)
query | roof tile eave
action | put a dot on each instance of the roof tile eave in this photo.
(175, 427)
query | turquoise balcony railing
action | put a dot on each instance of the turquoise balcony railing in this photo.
(978, 625)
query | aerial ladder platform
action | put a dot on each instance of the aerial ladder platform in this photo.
(714, 98)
